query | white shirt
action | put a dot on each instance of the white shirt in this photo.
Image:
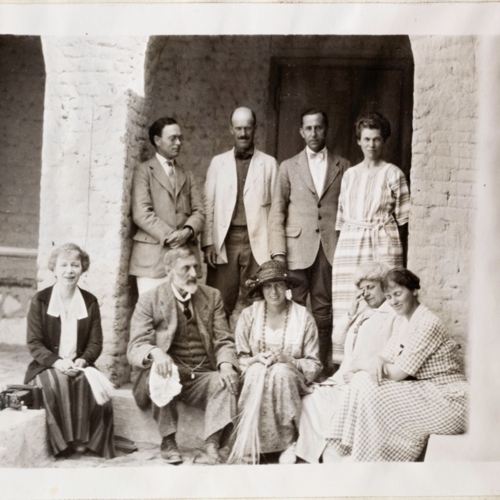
(169, 168)
(318, 163)
(69, 321)
(182, 299)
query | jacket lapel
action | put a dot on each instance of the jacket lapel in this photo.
(332, 170)
(181, 178)
(255, 170)
(160, 175)
(305, 173)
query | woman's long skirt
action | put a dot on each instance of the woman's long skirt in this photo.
(280, 406)
(392, 421)
(74, 416)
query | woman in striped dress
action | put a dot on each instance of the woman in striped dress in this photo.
(373, 212)
(65, 336)
(414, 388)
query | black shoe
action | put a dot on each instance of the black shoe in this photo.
(169, 451)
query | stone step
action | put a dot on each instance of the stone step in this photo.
(139, 426)
(23, 438)
(445, 448)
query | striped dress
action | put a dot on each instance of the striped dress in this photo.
(372, 204)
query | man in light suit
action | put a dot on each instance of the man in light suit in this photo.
(302, 222)
(167, 206)
(182, 323)
(238, 192)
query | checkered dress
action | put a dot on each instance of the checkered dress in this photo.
(371, 206)
(393, 420)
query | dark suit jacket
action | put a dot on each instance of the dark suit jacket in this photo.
(44, 333)
(158, 210)
(300, 219)
(155, 322)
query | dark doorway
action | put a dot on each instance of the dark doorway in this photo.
(344, 88)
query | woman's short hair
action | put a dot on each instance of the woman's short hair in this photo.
(371, 271)
(69, 247)
(402, 277)
(376, 121)
(173, 254)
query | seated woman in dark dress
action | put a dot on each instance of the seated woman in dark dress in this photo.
(64, 336)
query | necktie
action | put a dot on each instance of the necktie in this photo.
(171, 172)
(317, 156)
(185, 309)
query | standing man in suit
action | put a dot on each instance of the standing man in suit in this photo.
(238, 192)
(167, 206)
(302, 222)
(182, 323)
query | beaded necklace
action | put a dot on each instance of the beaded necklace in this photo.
(263, 344)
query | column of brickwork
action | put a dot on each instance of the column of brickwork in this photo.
(94, 127)
(443, 175)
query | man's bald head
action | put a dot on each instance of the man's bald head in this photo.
(243, 114)
(242, 128)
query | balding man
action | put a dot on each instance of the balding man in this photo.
(238, 192)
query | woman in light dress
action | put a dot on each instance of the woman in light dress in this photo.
(364, 331)
(414, 388)
(277, 346)
(373, 212)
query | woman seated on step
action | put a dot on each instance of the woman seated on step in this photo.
(360, 334)
(414, 388)
(277, 346)
(64, 337)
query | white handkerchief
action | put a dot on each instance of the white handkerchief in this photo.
(101, 387)
(163, 390)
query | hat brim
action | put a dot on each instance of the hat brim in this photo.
(290, 281)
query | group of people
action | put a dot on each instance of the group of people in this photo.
(314, 229)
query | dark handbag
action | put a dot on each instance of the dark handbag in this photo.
(17, 396)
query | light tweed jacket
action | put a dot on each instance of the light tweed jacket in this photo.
(155, 322)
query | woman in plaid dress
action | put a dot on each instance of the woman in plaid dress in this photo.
(415, 388)
(373, 212)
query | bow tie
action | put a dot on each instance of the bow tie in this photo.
(243, 155)
(319, 155)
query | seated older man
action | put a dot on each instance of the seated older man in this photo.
(181, 325)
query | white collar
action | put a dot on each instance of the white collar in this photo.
(164, 161)
(77, 308)
(384, 307)
(178, 295)
(311, 152)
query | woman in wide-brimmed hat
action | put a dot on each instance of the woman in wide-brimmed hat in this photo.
(277, 346)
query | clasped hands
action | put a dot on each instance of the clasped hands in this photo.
(69, 367)
(269, 358)
(178, 238)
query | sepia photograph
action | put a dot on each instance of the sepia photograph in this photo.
(249, 250)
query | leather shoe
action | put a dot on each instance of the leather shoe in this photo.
(169, 451)
(208, 455)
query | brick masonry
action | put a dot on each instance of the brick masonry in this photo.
(95, 114)
(443, 175)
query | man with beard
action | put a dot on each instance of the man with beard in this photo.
(238, 192)
(181, 326)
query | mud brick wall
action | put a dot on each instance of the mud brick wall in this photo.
(443, 175)
(94, 120)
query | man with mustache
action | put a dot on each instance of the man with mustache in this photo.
(167, 206)
(181, 326)
(238, 192)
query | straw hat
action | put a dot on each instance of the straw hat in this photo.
(270, 271)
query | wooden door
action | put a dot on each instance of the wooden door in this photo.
(344, 89)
